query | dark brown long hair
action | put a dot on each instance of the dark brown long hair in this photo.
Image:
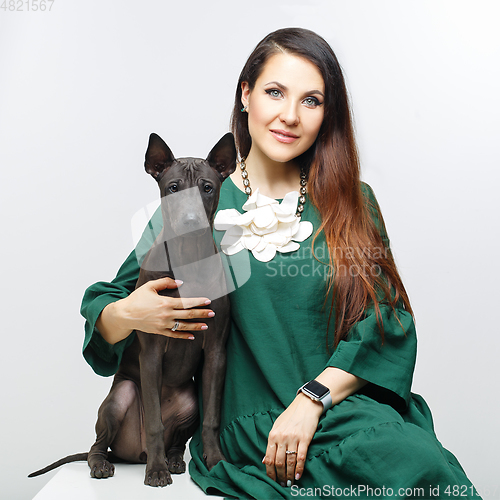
(364, 272)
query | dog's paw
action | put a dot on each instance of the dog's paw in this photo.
(158, 476)
(176, 464)
(212, 459)
(102, 469)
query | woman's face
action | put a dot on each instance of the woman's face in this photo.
(285, 108)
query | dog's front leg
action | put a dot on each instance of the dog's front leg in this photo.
(214, 372)
(150, 358)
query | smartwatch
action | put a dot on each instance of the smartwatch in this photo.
(317, 392)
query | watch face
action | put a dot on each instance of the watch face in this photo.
(316, 389)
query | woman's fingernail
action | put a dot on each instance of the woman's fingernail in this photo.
(211, 314)
(289, 483)
(204, 327)
(297, 476)
(207, 301)
(191, 338)
(179, 282)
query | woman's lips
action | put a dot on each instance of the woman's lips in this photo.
(284, 136)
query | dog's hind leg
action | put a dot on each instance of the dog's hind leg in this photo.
(122, 401)
(175, 454)
(181, 418)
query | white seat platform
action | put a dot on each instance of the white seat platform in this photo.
(73, 482)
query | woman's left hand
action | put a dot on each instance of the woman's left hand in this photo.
(292, 431)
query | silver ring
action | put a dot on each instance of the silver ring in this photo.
(175, 326)
(290, 452)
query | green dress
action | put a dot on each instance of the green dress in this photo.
(378, 442)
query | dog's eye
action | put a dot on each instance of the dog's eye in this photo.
(208, 188)
(173, 188)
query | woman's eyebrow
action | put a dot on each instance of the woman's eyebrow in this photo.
(278, 84)
(316, 92)
(284, 87)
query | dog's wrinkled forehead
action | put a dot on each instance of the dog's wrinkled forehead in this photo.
(190, 164)
(191, 169)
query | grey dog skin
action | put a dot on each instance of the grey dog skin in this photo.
(152, 408)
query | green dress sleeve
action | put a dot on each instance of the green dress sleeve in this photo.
(387, 366)
(105, 358)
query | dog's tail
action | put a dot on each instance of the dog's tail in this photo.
(70, 458)
(77, 457)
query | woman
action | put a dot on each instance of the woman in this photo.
(356, 429)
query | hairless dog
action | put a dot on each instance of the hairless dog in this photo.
(152, 408)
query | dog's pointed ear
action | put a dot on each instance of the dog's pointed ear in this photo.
(222, 158)
(158, 156)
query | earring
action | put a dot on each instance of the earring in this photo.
(244, 108)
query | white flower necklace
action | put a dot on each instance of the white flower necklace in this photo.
(303, 184)
(267, 226)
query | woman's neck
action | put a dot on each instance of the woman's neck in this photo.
(273, 179)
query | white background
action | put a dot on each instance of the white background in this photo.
(82, 87)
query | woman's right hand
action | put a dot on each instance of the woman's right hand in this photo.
(145, 310)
